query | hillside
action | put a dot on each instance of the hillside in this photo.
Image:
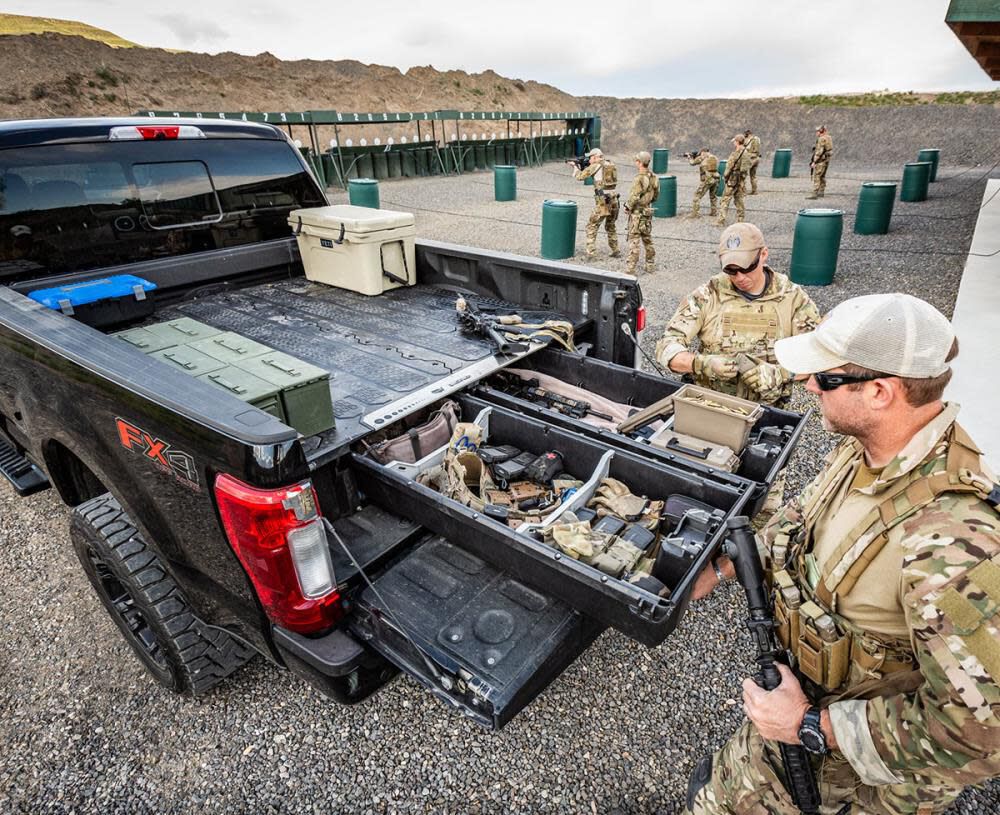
(18, 24)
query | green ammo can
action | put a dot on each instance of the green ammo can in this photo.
(181, 331)
(505, 182)
(558, 229)
(782, 164)
(304, 388)
(188, 360)
(815, 246)
(229, 347)
(363, 192)
(875, 207)
(249, 388)
(665, 205)
(916, 178)
(720, 188)
(933, 155)
(661, 160)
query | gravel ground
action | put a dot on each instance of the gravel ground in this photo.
(84, 729)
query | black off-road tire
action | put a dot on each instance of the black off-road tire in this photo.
(179, 650)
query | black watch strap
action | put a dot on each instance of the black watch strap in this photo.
(811, 732)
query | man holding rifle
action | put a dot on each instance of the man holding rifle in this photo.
(885, 577)
(605, 176)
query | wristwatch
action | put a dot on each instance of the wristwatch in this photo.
(811, 734)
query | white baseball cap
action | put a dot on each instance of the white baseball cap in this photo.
(895, 334)
(595, 152)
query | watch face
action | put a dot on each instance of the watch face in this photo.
(812, 741)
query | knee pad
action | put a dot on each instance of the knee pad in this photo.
(700, 776)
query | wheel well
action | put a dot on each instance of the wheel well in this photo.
(73, 479)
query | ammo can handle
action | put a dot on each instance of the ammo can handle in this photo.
(174, 358)
(673, 444)
(290, 371)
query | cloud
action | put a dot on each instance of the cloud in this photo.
(192, 30)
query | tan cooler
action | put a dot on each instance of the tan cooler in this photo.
(356, 248)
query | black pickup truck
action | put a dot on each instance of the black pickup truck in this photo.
(212, 530)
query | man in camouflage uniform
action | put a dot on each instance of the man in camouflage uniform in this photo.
(737, 167)
(737, 317)
(708, 168)
(822, 152)
(886, 581)
(638, 207)
(753, 148)
(605, 176)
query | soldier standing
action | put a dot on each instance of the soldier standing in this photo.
(886, 586)
(737, 166)
(708, 168)
(605, 176)
(753, 148)
(822, 152)
(638, 207)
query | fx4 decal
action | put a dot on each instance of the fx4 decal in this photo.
(166, 458)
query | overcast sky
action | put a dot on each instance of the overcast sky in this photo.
(624, 48)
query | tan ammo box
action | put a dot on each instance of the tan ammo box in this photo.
(356, 248)
(714, 455)
(715, 417)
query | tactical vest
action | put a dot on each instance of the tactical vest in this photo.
(753, 146)
(710, 166)
(837, 655)
(649, 194)
(609, 177)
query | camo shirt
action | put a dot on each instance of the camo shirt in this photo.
(924, 746)
(597, 171)
(823, 149)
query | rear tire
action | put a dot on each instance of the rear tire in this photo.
(179, 650)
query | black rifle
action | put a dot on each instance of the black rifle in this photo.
(577, 408)
(581, 162)
(489, 326)
(741, 548)
(692, 154)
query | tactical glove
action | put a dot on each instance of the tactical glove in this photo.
(715, 366)
(767, 380)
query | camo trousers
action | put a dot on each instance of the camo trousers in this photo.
(751, 182)
(734, 192)
(709, 185)
(606, 214)
(640, 228)
(819, 177)
(748, 779)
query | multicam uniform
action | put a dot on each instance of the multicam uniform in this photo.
(753, 148)
(708, 167)
(820, 162)
(645, 189)
(887, 591)
(605, 176)
(737, 166)
(726, 322)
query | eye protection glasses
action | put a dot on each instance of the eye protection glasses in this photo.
(732, 269)
(830, 382)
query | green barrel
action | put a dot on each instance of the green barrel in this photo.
(916, 177)
(558, 229)
(408, 160)
(875, 207)
(782, 164)
(363, 192)
(510, 150)
(450, 156)
(815, 246)
(665, 205)
(468, 156)
(661, 160)
(491, 155)
(423, 158)
(505, 182)
(720, 190)
(933, 155)
(329, 169)
(395, 161)
(380, 163)
(365, 165)
(480, 150)
(350, 166)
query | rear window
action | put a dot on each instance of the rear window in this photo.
(70, 208)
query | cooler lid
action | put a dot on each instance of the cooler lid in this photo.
(354, 219)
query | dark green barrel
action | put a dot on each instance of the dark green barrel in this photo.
(424, 157)
(815, 246)
(558, 229)
(408, 158)
(380, 163)
(350, 165)
(875, 207)
(363, 192)
(395, 160)
(933, 155)
(491, 155)
(510, 150)
(782, 164)
(468, 156)
(661, 160)
(329, 169)
(665, 205)
(720, 190)
(365, 165)
(479, 148)
(916, 178)
(505, 182)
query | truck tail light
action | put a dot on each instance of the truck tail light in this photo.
(155, 132)
(640, 319)
(279, 537)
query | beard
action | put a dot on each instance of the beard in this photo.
(850, 424)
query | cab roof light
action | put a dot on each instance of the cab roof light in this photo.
(155, 132)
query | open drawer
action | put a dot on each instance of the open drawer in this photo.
(642, 615)
(639, 390)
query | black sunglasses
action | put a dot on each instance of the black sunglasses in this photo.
(829, 382)
(732, 269)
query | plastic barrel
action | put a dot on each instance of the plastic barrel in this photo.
(363, 192)
(480, 153)
(505, 182)
(366, 168)
(916, 177)
(558, 229)
(395, 160)
(875, 207)
(720, 190)
(665, 205)
(408, 159)
(491, 155)
(423, 158)
(510, 150)
(329, 169)
(380, 164)
(816, 245)
(661, 160)
(782, 164)
(933, 155)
